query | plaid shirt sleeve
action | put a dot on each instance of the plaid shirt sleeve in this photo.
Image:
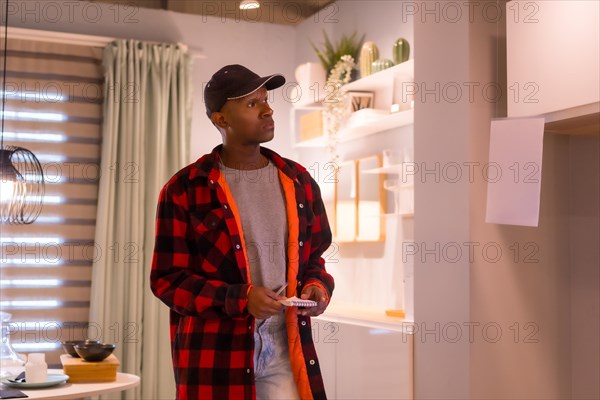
(183, 277)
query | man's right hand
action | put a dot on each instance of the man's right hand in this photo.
(262, 302)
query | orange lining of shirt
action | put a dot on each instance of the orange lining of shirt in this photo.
(297, 361)
(238, 221)
(295, 344)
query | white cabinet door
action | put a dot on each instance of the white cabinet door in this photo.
(369, 363)
(552, 55)
(326, 338)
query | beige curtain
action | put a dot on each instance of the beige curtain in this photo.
(147, 115)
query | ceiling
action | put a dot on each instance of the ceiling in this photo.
(286, 12)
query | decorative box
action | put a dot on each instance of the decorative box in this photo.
(81, 371)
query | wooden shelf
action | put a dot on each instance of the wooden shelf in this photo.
(584, 120)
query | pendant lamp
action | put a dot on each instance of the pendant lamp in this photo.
(21, 174)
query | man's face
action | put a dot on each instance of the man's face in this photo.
(248, 120)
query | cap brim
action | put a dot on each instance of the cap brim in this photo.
(269, 82)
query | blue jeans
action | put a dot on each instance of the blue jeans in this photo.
(272, 370)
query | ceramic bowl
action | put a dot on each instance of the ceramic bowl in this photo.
(69, 345)
(94, 351)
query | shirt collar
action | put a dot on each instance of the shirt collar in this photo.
(208, 165)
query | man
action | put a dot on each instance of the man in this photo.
(233, 229)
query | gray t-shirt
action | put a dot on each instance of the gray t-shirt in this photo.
(261, 205)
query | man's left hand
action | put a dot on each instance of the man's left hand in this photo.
(315, 293)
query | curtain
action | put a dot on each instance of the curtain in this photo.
(147, 121)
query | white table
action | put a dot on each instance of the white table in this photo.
(80, 390)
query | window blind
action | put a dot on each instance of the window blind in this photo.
(54, 96)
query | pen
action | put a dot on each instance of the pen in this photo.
(281, 289)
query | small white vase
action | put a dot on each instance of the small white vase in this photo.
(311, 84)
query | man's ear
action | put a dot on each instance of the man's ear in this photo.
(218, 119)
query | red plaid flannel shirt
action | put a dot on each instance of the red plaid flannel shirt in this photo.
(200, 271)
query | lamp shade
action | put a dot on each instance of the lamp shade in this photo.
(21, 186)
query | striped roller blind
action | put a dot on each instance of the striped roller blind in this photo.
(54, 95)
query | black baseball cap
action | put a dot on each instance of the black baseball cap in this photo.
(233, 82)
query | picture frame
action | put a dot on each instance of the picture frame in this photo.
(359, 100)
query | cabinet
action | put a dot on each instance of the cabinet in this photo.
(390, 86)
(354, 357)
(547, 74)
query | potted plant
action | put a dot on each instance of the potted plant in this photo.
(330, 54)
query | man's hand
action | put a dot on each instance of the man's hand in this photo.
(315, 293)
(262, 302)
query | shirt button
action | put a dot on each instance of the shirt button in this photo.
(301, 205)
(212, 182)
(249, 327)
(303, 323)
(248, 370)
(301, 243)
(299, 283)
(312, 362)
(237, 246)
(225, 206)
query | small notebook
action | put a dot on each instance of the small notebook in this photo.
(294, 301)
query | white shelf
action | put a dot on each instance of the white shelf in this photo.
(381, 78)
(389, 169)
(371, 318)
(395, 120)
(369, 83)
(378, 81)
(390, 121)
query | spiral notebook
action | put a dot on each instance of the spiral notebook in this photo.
(295, 301)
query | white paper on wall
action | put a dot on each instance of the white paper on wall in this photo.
(514, 171)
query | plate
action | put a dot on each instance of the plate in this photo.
(53, 380)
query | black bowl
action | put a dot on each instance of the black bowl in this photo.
(94, 351)
(69, 345)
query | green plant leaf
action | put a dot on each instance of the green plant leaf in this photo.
(329, 53)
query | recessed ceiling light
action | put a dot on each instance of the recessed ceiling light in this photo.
(249, 4)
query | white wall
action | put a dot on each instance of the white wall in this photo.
(381, 21)
(584, 254)
(441, 208)
(264, 48)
